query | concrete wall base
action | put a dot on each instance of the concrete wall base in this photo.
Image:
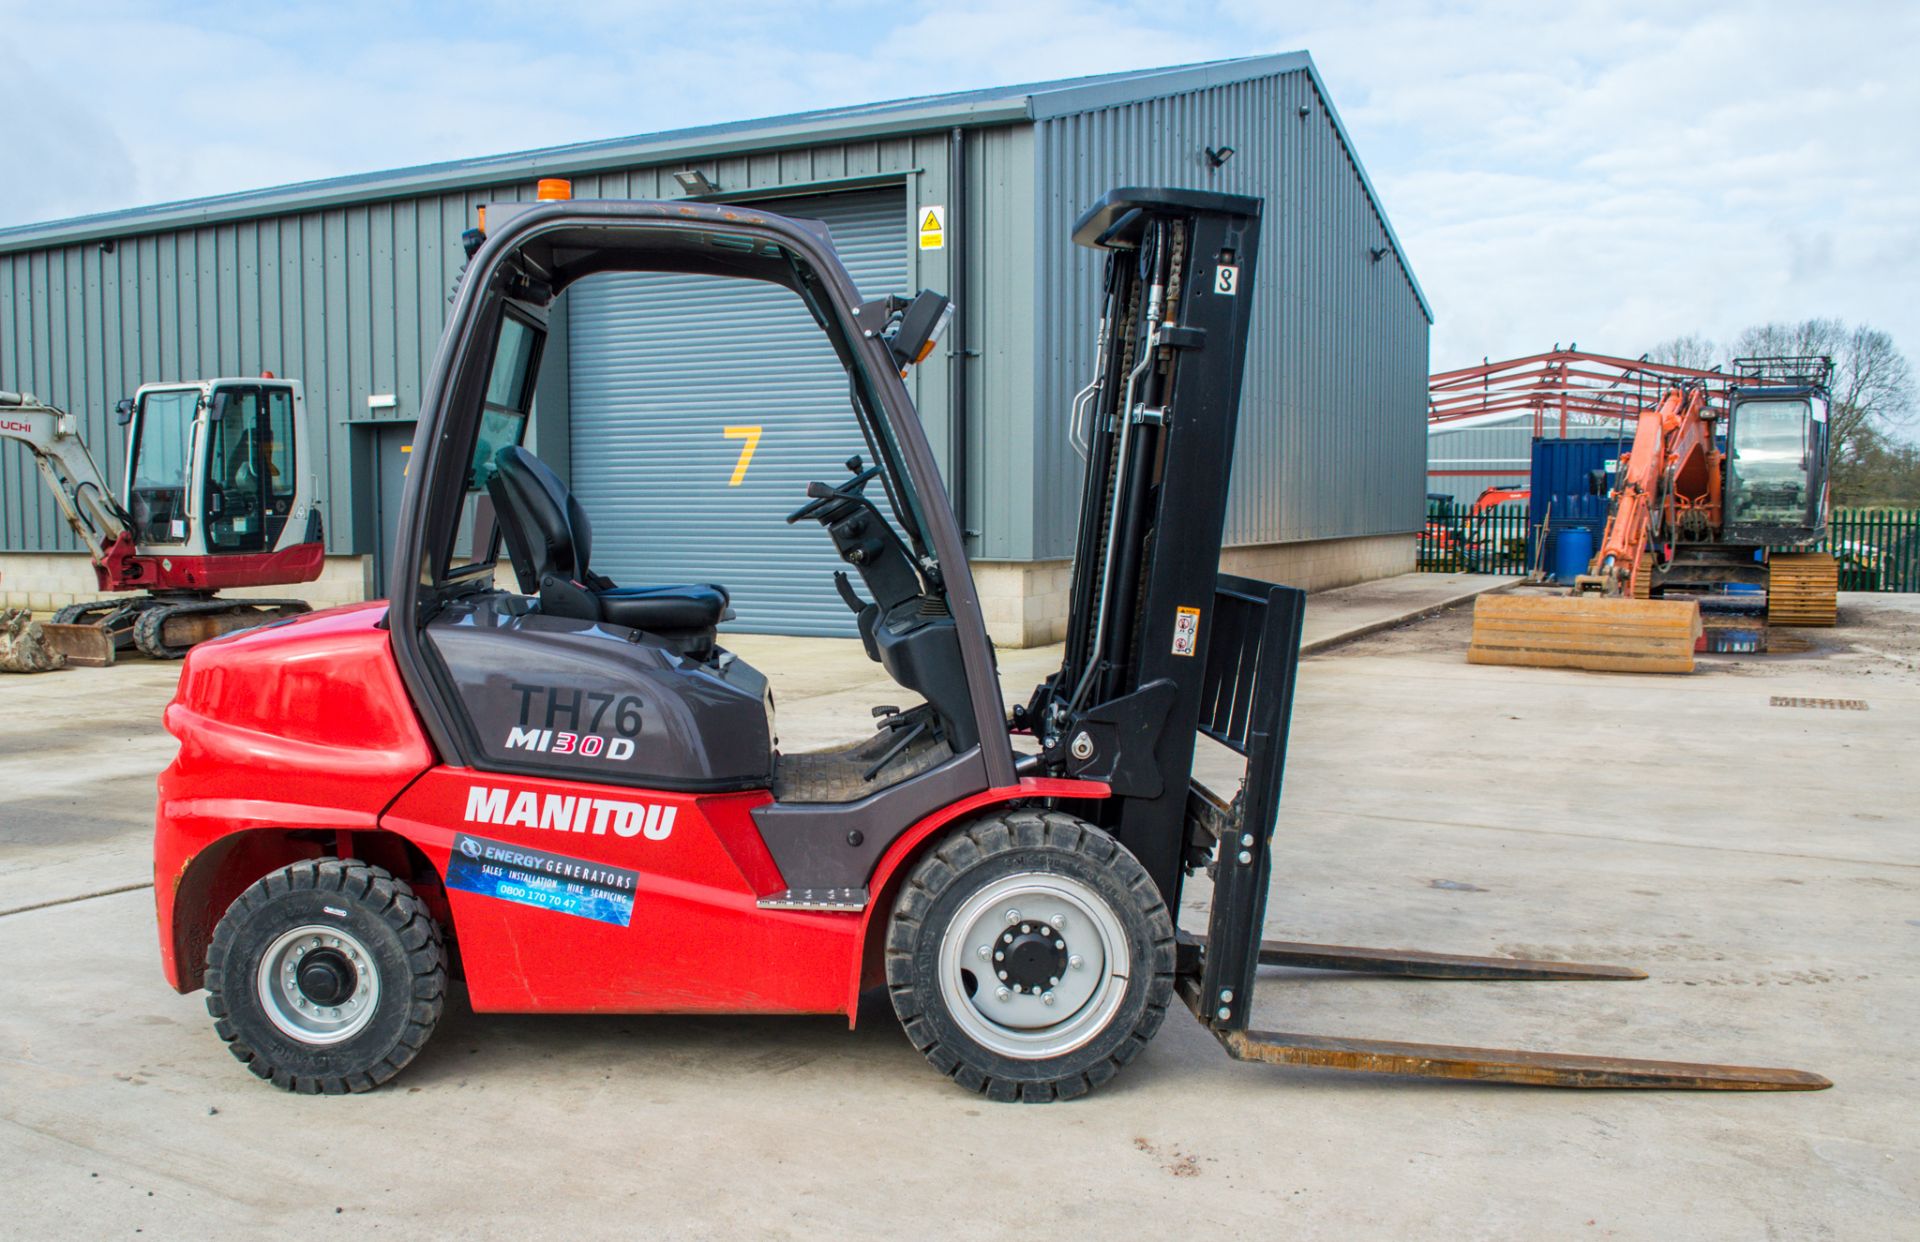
(1024, 602)
(44, 581)
(1323, 564)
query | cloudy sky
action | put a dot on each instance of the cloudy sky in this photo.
(1611, 172)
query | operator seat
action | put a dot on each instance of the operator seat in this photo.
(550, 541)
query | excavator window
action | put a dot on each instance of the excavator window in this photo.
(157, 481)
(1771, 449)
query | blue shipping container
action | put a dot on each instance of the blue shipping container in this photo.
(1560, 479)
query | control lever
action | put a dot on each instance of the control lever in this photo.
(848, 595)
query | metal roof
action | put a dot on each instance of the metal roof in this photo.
(1031, 101)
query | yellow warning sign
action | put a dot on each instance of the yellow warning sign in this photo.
(933, 228)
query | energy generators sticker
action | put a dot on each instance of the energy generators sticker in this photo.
(1186, 630)
(575, 886)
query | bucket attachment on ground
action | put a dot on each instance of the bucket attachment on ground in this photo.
(29, 646)
(1250, 683)
(1604, 633)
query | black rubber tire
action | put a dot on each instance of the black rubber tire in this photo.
(383, 913)
(984, 851)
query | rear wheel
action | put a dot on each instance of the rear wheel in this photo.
(326, 976)
(1030, 957)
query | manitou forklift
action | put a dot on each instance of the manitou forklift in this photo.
(567, 792)
(218, 494)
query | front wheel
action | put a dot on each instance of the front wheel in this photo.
(1030, 957)
(326, 976)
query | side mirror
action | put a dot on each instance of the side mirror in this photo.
(921, 325)
(123, 410)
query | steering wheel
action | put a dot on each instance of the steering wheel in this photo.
(825, 497)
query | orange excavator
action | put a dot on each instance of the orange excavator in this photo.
(1715, 504)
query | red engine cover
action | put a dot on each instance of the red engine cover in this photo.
(298, 724)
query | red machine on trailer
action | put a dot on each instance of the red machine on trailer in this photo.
(569, 793)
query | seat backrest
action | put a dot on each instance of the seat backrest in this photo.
(538, 517)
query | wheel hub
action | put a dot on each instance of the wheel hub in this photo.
(1033, 965)
(326, 977)
(318, 984)
(1029, 958)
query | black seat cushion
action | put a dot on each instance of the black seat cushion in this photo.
(550, 540)
(663, 608)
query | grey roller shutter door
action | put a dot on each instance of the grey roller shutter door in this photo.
(662, 366)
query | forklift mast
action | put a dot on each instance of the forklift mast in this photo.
(1160, 646)
(1156, 426)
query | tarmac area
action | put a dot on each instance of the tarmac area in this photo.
(1747, 834)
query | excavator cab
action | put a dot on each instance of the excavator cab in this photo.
(1776, 465)
(233, 445)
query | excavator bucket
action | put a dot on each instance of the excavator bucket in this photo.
(29, 646)
(84, 646)
(1605, 633)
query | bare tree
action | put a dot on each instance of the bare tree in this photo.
(1692, 351)
(1873, 385)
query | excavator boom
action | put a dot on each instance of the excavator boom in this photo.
(85, 500)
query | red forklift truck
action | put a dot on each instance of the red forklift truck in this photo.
(568, 793)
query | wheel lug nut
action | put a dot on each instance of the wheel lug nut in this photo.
(1013, 916)
(1054, 982)
(1047, 999)
(999, 956)
(1003, 975)
(1075, 962)
(1058, 920)
(984, 950)
(1002, 994)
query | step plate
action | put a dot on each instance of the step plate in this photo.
(838, 900)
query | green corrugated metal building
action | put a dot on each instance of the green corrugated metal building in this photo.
(343, 284)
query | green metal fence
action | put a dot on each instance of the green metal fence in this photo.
(1457, 540)
(1878, 549)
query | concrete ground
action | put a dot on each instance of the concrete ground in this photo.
(1760, 861)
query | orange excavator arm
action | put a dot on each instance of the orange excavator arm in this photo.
(1671, 472)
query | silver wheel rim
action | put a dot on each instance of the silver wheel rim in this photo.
(1056, 1017)
(297, 1015)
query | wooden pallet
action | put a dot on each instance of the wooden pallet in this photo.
(1607, 634)
(1801, 587)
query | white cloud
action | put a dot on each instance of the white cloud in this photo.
(1611, 171)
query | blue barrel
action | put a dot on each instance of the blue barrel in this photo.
(1572, 550)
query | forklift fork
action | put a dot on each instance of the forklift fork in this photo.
(1252, 660)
